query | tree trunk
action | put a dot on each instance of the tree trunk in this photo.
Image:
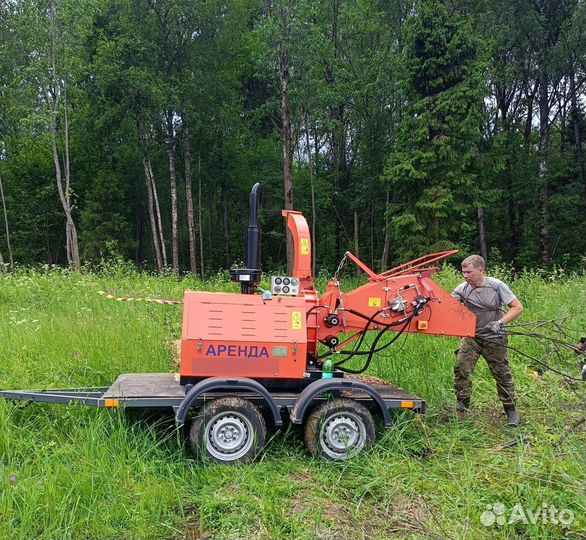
(70, 230)
(173, 185)
(225, 215)
(543, 164)
(338, 149)
(312, 187)
(8, 243)
(283, 73)
(151, 212)
(158, 213)
(139, 229)
(482, 234)
(152, 202)
(226, 228)
(529, 120)
(188, 194)
(578, 139)
(53, 97)
(356, 235)
(385, 258)
(200, 217)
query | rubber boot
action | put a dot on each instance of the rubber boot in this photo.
(462, 408)
(513, 417)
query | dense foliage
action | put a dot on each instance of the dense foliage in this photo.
(135, 129)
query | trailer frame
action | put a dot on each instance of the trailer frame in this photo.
(163, 391)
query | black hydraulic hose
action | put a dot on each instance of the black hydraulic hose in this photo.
(386, 326)
(352, 354)
(314, 308)
(361, 353)
(366, 328)
(372, 351)
(370, 320)
(358, 344)
(368, 360)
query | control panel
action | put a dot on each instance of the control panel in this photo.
(285, 285)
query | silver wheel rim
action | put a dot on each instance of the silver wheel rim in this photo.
(229, 436)
(342, 435)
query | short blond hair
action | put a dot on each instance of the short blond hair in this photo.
(474, 260)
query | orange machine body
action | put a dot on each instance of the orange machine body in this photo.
(277, 337)
(241, 335)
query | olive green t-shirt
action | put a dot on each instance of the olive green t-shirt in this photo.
(487, 302)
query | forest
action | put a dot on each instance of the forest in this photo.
(134, 129)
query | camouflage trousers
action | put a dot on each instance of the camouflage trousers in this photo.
(495, 354)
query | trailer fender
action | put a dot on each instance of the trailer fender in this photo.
(219, 383)
(320, 386)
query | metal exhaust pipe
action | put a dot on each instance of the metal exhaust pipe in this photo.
(249, 277)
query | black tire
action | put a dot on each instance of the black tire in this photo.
(228, 430)
(339, 429)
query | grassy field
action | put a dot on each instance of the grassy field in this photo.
(74, 472)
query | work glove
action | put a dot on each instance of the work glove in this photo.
(494, 329)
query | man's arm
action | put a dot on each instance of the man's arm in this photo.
(457, 293)
(515, 309)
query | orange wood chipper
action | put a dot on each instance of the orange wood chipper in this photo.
(274, 336)
(282, 355)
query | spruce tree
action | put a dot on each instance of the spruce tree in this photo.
(432, 173)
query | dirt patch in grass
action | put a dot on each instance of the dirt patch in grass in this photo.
(330, 518)
(405, 515)
(176, 352)
(303, 479)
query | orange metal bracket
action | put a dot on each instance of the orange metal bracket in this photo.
(420, 265)
(416, 264)
(361, 265)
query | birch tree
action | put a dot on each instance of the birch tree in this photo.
(49, 33)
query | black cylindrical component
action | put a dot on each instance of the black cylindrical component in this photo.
(331, 320)
(252, 241)
(249, 277)
(331, 341)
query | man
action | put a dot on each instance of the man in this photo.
(486, 297)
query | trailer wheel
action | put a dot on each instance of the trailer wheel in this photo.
(228, 430)
(339, 429)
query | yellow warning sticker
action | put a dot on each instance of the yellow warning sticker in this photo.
(296, 321)
(305, 246)
(375, 302)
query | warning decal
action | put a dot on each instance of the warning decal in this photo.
(305, 246)
(296, 321)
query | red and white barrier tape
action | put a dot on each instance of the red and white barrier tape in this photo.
(128, 299)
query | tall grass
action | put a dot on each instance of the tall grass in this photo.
(75, 472)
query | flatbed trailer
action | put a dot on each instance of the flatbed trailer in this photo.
(347, 405)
